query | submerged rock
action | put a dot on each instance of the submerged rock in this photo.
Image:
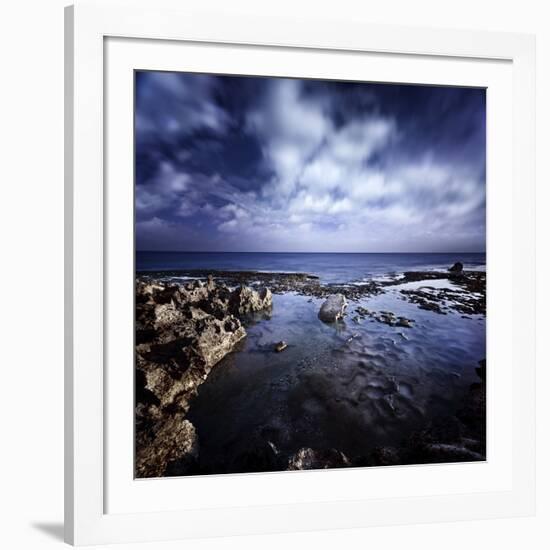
(333, 308)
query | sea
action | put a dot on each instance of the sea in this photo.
(331, 268)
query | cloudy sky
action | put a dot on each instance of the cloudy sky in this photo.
(284, 165)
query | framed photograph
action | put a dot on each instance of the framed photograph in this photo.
(299, 274)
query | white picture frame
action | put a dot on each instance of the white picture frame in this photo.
(105, 42)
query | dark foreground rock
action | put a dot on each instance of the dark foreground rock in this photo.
(181, 333)
(310, 459)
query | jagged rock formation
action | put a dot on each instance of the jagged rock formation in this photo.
(181, 333)
(244, 300)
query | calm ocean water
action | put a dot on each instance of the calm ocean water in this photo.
(330, 267)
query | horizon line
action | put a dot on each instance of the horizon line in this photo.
(287, 252)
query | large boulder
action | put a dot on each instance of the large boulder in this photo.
(457, 267)
(333, 308)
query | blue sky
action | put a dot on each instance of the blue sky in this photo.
(288, 165)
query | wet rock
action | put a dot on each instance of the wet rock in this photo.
(468, 299)
(362, 311)
(333, 308)
(457, 267)
(309, 459)
(244, 300)
(280, 346)
(386, 317)
(403, 322)
(425, 300)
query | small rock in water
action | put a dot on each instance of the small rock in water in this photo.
(280, 346)
(457, 267)
(362, 311)
(333, 308)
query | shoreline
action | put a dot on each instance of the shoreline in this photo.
(468, 298)
(185, 328)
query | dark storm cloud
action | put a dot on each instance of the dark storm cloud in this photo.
(238, 163)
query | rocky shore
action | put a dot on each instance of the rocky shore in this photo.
(181, 333)
(468, 297)
(278, 282)
(183, 329)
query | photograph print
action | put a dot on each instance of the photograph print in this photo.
(309, 274)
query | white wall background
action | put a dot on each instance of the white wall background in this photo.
(31, 289)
